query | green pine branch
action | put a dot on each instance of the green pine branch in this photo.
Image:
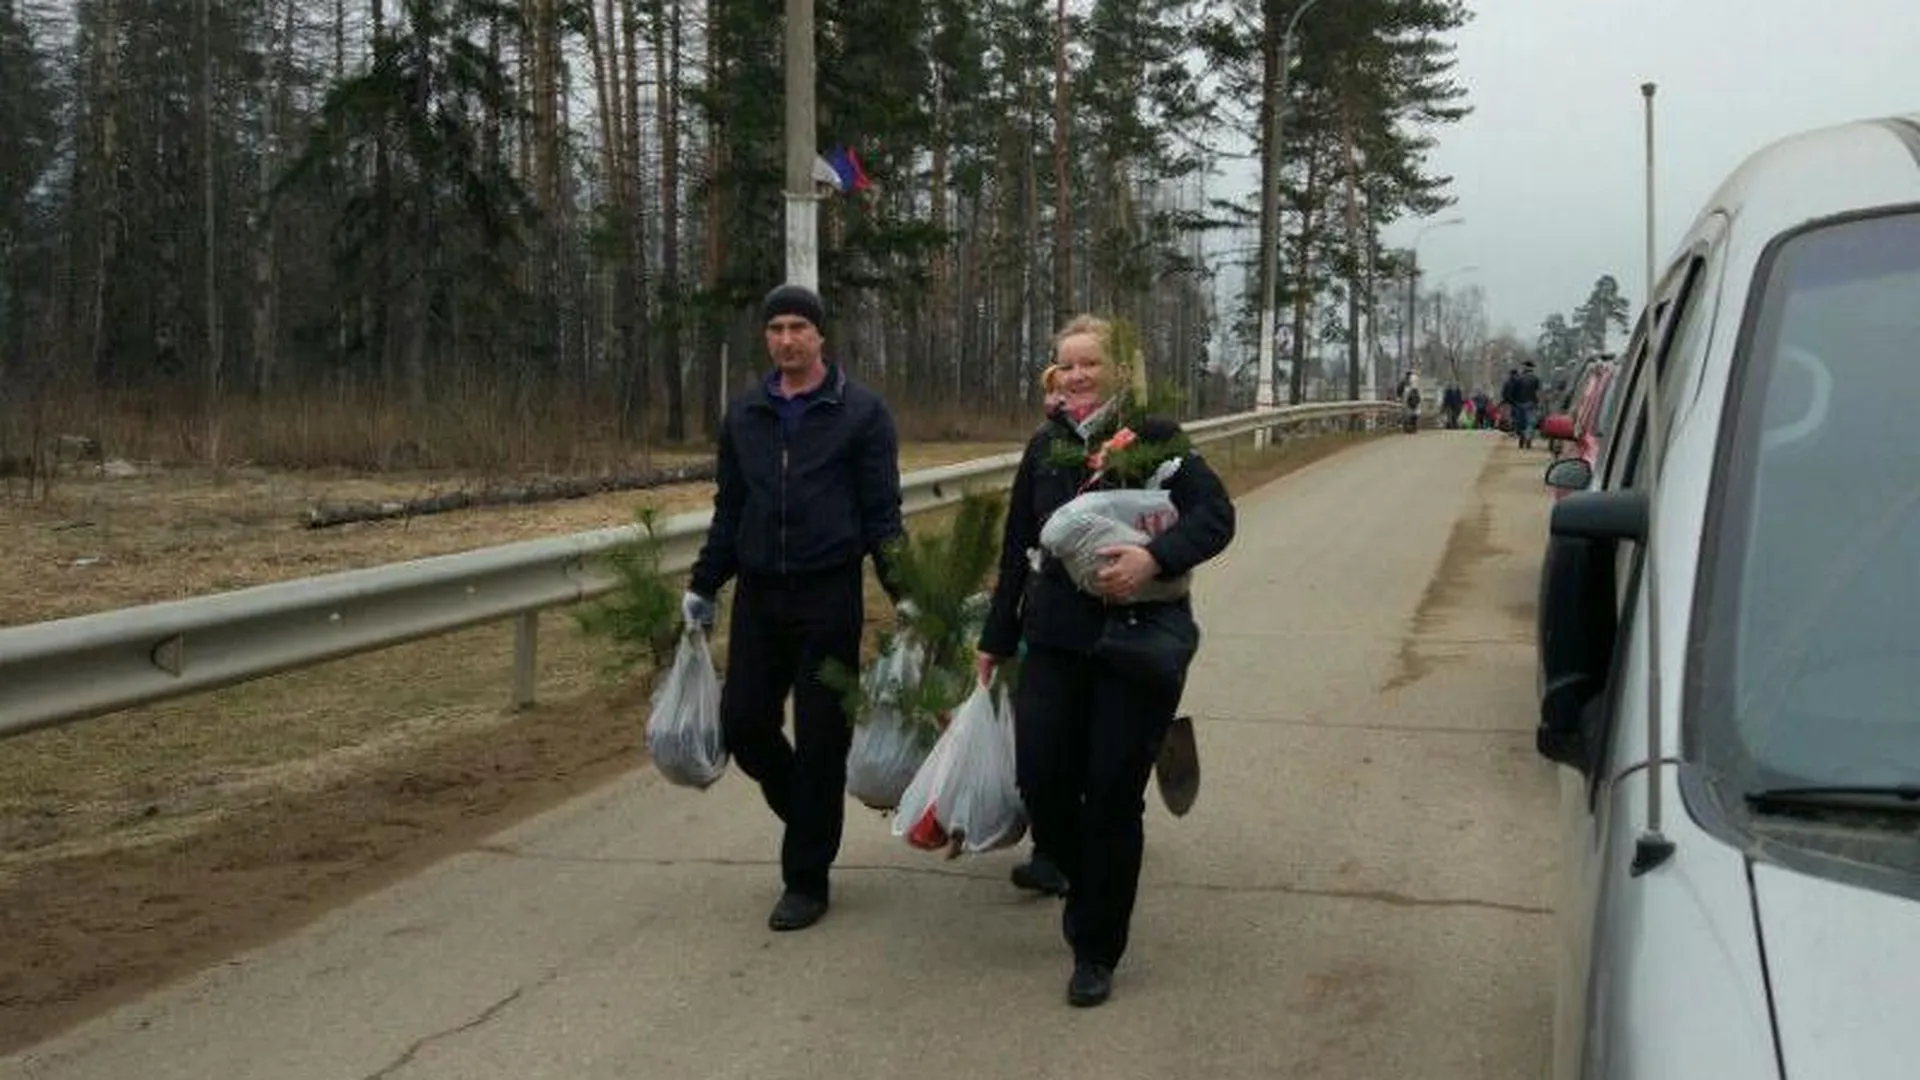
(640, 618)
(944, 575)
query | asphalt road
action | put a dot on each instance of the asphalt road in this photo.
(1363, 890)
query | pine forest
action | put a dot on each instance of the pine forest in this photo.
(448, 232)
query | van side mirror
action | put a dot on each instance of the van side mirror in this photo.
(1578, 625)
(1557, 426)
(1599, 515)
(1569, 474)
(1579, 619)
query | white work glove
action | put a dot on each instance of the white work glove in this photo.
(698, 611)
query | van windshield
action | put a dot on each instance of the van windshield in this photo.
(1808, 631)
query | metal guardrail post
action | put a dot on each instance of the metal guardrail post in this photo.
(526, 654)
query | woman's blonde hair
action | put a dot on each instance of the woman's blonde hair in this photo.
(1101, 329)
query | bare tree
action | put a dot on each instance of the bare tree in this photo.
(1458, 321)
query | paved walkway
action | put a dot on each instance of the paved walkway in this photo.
(1363, 889)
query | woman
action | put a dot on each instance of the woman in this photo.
(1087, 728)
(1176, 764)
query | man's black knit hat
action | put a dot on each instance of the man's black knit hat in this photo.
(794, 300)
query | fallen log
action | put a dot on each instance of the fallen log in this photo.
(539, 491)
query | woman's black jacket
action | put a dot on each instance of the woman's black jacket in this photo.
(1044, 606)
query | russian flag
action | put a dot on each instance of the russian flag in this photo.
(840, 167)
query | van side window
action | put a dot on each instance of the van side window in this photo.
(1626, 427)
(1678, 322)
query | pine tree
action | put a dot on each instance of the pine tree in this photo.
(641, 616)
(1605, 309)
(943, 575)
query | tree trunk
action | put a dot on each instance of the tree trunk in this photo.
(210, 276)
(266, 258)
(378, 297)
(106, 179)
(713, 388)
(1354, 247)
(614, 167)
(667, 73)
(1303, 287)
(640, 400)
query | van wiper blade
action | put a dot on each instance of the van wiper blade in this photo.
(1876, 798)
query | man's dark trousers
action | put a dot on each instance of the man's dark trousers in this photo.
(783, 629)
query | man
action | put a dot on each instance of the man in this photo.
(1526, 404)
(809, 485)
(1451, 402)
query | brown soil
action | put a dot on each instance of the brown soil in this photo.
(137, 848)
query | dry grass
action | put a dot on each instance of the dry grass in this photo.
(152, 774)
(98, 544)
(488, 431)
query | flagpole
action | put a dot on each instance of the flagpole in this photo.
(803, 210)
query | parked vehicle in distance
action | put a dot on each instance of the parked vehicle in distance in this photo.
(1576, 431)
(1728, 607)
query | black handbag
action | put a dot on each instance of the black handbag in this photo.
(1151, 643)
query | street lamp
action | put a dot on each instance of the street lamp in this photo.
(1270, 213)
(1413, 281)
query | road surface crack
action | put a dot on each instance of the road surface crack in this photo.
(411, 1052)
(1377, 896)
(510, 852)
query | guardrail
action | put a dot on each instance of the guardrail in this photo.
(71, 669)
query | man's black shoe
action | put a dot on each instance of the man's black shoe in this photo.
(1177, 767)
(1091, 984)
(1040, 875)
(796, 911)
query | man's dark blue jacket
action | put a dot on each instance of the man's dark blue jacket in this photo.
(814, 491)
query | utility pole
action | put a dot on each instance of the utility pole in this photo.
(1408, 361)
(803, 208)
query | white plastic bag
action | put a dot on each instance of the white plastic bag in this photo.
(887, 752)
(683, 730)
(1085, 524)
(966, 795)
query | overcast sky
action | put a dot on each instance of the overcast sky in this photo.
(1549, 169)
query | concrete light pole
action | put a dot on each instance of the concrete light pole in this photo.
(803, 207)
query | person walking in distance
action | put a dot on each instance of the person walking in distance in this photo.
(809, 486)
(1088, 720)
(1526, 404)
